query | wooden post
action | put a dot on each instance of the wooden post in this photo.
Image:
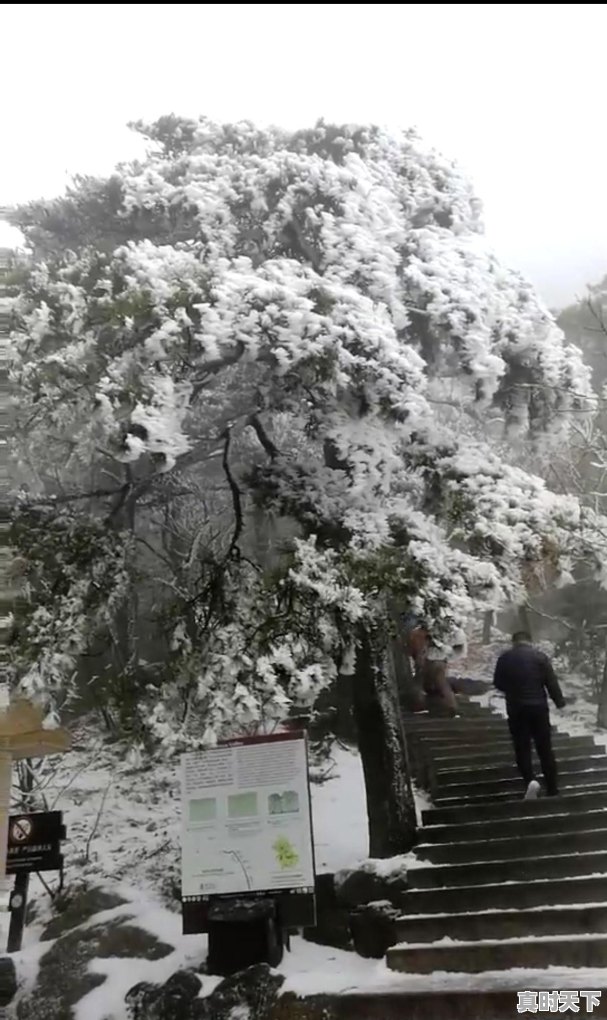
(22, 735)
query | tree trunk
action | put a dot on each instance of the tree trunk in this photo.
(601, 716)
(525, 620)
(390, 804)
(487, 626)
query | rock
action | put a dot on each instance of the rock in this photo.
(8, 980)
(249, 995)
(76, 908)
(332, 926)
(361, 886)
(140, 999)
(373, 929)
(175, 1000)
(395, 886)
(64, 976)
(184, 983)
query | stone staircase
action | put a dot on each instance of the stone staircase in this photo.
(503, 882)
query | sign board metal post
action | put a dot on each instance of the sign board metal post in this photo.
(18, 908)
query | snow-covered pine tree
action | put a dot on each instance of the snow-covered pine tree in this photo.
(321, 305)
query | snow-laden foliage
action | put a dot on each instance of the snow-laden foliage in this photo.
(335, 280)
(75, 581)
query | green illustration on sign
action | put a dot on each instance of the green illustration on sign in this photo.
(286, 854)
(203, 810)
(242, 805)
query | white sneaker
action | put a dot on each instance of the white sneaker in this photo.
(533, 790)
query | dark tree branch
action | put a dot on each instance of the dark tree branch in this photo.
(236, 497)
(211, 368)
(74, 497)
(259, 430)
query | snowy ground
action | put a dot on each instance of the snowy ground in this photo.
(123, 825)
(308, 969)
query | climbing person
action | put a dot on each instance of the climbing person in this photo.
(440, 698)
(525, 675)
(432, 686)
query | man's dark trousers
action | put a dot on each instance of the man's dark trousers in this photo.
(532, 723)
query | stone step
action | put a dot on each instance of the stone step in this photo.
(533, 825)
(456, 1001)
(517, 869)
(476, 957)
(533, 845)
(459, 899)
(508, 770)
(470, 793)
(467, 685)
(497, 747)
(455, 727)
(465, 708)
(504, 924)
(445, 753)
(494, 809)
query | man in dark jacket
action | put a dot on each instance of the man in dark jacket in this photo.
(524, 675)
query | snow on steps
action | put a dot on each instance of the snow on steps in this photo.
(503, 954)
(495, 888)
(451, 752)
(473, 810)
(506, 848)
(553, 824)
(577, 919)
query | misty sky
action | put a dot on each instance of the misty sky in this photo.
(515, 92)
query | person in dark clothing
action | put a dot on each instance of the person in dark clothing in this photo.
(525, 675)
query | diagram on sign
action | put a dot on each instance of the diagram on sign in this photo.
(236, 856)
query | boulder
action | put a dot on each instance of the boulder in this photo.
(177, 999)
(8, 980)
(249, 995)
(362, 885)
(373, 929)
(332, 926)
(76, 907)
(64, 976)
